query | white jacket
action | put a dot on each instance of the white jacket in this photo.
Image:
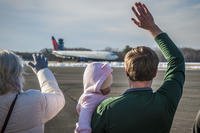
(33, 108)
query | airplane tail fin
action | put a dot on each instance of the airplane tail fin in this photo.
(54, 42)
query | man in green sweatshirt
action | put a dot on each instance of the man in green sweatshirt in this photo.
(139, 109)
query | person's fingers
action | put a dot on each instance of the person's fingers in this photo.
(34, 57)
(146, 9)
(42, 57)
(142, 15)
(30, 64)
(136, 22)
(148, 14)
(38, 56)
(135, 11)
(141, 9)
(46, 61)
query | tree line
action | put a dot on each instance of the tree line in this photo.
(190, 55)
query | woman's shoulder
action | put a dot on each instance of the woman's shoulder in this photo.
(32, 93)
(31, 96)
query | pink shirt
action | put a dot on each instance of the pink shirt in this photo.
(94, 76)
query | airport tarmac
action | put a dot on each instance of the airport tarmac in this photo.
(70, 81)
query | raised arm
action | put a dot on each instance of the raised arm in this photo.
(175, 74)
(144, 19)
(52, 97)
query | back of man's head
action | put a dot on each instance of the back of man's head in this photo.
(141, 64)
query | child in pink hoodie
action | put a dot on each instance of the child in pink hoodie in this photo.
(97, 80)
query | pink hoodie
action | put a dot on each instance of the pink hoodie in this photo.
(94, 76)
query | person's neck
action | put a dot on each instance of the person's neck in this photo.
(140, 84)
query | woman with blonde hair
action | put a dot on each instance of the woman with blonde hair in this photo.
(27, 111)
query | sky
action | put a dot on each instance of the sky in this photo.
(27, 25)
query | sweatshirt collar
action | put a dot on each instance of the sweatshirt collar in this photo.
(138, 90)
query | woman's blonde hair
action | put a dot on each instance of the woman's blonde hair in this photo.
(11, 70)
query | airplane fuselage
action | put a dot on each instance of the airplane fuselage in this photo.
(91, 55)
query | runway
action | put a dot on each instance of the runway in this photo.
(70, 81)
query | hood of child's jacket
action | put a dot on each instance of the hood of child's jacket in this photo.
(94, 76)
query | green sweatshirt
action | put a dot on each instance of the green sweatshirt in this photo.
(141, 110)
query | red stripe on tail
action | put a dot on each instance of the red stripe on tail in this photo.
(55, 44)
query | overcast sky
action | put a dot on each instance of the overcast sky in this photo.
(27, 25)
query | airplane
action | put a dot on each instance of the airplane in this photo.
(59, 51)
